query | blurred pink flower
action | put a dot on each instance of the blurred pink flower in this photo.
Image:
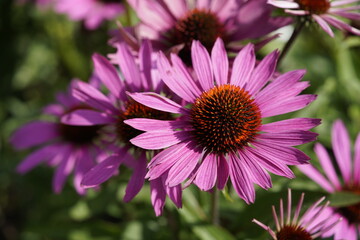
(112, 110)
(222, 133)
(68, 148)
(324, 12)
(314, 222)
(92, 12)
(172, 25)
(349, 228)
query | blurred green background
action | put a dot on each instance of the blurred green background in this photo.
(42, 51)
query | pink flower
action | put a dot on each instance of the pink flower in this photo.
(93, 12)
(324, 12)
(221, 134)
(68, 148)
(349, 228)
(315, 221)
(112, 110)
(171, 25)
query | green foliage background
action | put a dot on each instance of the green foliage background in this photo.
(42, 51)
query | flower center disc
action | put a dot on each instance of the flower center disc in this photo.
(109, 1)
(201, 25)
(136, 110)
(352, 212)
(224, 119)
(289, 232)
(314, 6)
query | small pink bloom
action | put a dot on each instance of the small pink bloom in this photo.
(324, 12)
(311, 225)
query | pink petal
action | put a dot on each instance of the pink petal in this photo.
(341, 146)
(159, 139)
(323, 24)
(34, 133)
(35, 158)
(137, 179)
(85, 117)
(262, 73)
(223, 172)
(207, 173)
(146, 64)
(145, 124)
(108, 75)
(158, 195)
(291, 124)
(288, 138)
(283, 4)
(102, 172)
(357, 160)
(241, 180)
(202, 65)
(314, 174)
(183, 167)
(243, 66)
(66, 166)
(327, 165)
(158, 102)
(220, 62)
(86, 93)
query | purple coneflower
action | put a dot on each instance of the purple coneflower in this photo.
(68, 148)
(220, 132)
(315, 221)
(93, 12)
(171, 24)
(112, 110)
(324, 12)
(349, 228)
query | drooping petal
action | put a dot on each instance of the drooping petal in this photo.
(102, 172)
(34, 133)
(158, 195)
(64, 169)
(240, 179)
(323, 24)
(223, 172)
(357, 160)
(207, 173)
(137, 178)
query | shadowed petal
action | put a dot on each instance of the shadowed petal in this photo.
(137, 179)
(34, 133)
(85, 117)
(207, 173)
(158, 195)
(223, 172)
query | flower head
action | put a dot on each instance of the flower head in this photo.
(220, 132)
(111, 110)
(324, 12)
(93, 12)
(350, 170)
(173, 25)
(68, 148)
(311, 225)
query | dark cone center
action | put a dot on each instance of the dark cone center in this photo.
(225, 119)
(290, 232)
(352, 212)
(314, 6)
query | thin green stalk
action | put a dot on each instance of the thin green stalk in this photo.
(215, 207)
(299, 26)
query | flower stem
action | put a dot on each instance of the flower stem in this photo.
(299, 26)
(215, 207)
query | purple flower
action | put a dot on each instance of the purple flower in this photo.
(220, 132)
(112, 110)
(349, 228)
(173, 25)
(315, 221)
(93, 12)
(68, 148)
(324, 12)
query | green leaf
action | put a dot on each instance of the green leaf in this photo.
(343, 199)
